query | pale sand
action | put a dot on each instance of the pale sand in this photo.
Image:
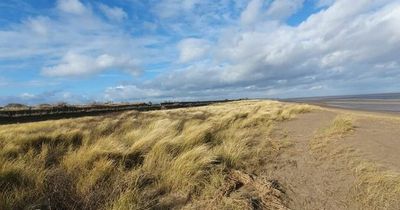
(314, 183)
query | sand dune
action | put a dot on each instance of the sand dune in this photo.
(238, 155)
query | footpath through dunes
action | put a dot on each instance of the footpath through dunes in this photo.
(311, 183)
(340, 160)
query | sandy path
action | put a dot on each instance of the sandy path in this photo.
(311, 183)
(378, 139)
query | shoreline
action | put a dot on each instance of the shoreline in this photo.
(352, 109)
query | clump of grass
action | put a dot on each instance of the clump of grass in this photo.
(19, 180)
(162, 159)
(341, 126)
(376, 188)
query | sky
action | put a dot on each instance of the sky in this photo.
(81, 51)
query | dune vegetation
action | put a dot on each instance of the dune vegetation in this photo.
(193, 158)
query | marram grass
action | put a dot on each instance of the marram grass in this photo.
(152, 160)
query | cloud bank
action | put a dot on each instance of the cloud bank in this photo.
(206, 49)
(336, 50)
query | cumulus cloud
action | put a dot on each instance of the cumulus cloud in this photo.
(282, 9)
(236, 48)
(191, 49)
(71, 6)
(50, 97)
(335, 50)
(94, 45)
(38, 25)
(74, 64)
(252, 12)
(324, 3)
(257, 10)
(135, 93)
(129, 92)
(113, 13)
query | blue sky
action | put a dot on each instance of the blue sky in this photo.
(80, 51)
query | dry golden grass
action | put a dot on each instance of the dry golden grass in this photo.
(183, 158)
(375, 187)
(342, 125)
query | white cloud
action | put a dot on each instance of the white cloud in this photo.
(336, 49)
(192, 49)
(150, 26)
(255, 12)
(282, 9)
(336, 58)
(71, 6)
(48, 38)
(47, 97)
(38, 25)
(189, 4)
(195, 18)
(252, 12)
(324, 3)
(173, 8)
(124, 92)
(78, 65)
(245, 52)
(113, 13)
(27, 96)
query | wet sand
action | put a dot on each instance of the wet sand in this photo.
(385, 103)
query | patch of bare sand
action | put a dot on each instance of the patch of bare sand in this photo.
(311, 183)
(376, 136)
(378, 140)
